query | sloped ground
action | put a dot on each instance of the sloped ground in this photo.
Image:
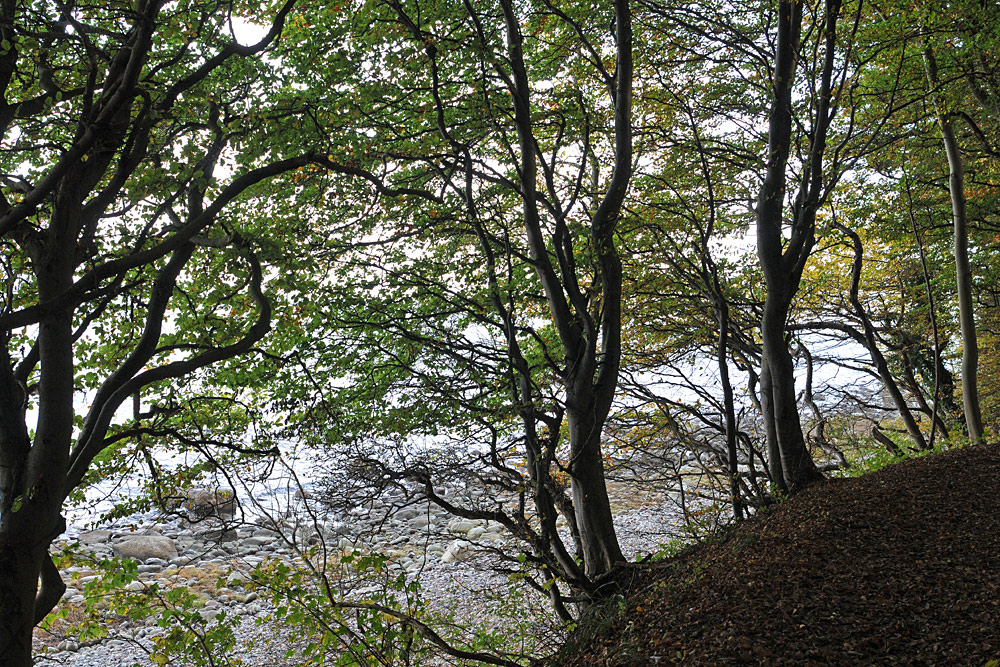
(899, 567)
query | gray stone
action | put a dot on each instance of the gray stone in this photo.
(460, 526)
(95, 536)
(143, 547)
(203, 502)
(457, 551)
(220, 535)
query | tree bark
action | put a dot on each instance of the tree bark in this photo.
(963, 270)
(963, 275)
(722, 358)
(600, 549)
(782, 261)
(20, 566)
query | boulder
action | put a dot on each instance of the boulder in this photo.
(202, 502)
(457, 551)
(95, 536)
(460, 526)
(220, 535)
(143, 547)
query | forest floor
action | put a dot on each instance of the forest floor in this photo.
(898, 567)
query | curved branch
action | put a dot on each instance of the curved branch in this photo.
(91, 439)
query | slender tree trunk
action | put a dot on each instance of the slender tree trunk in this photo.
(963, 270)
(936, 420)
(722, 357)
(810, 400)
(963, 274)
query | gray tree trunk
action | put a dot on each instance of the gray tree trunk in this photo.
(963, 270)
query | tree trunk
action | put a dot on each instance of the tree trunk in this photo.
(963, 274)
(722, 357)
(797, 467)
(24, 541)
(963, 270)
(589, 327)
(783, 262)
(775, 475)
(590, 497)
(17, 600)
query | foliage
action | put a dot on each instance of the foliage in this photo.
(869, 457)
(503, 246)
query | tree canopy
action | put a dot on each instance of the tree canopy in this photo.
(505, 244)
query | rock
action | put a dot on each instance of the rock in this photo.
(95, 536)
(460, 526)
(476, 532)
(457, 551)
(143, 547)
(220, 535)
(203, 502)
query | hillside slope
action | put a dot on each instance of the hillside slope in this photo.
(899, 567)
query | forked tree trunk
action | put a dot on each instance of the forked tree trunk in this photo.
(589, 327)
(782, 259)
(592, 507)
(797, 466)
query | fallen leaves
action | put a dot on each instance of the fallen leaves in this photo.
(900, 567)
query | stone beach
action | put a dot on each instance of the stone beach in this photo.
(451, 557)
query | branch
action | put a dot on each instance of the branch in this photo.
(91, 439)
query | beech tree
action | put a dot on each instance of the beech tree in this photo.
(125, 135)
(487, 307)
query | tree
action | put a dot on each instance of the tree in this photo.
(496, 290)
(127, 130)
(963, 269)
